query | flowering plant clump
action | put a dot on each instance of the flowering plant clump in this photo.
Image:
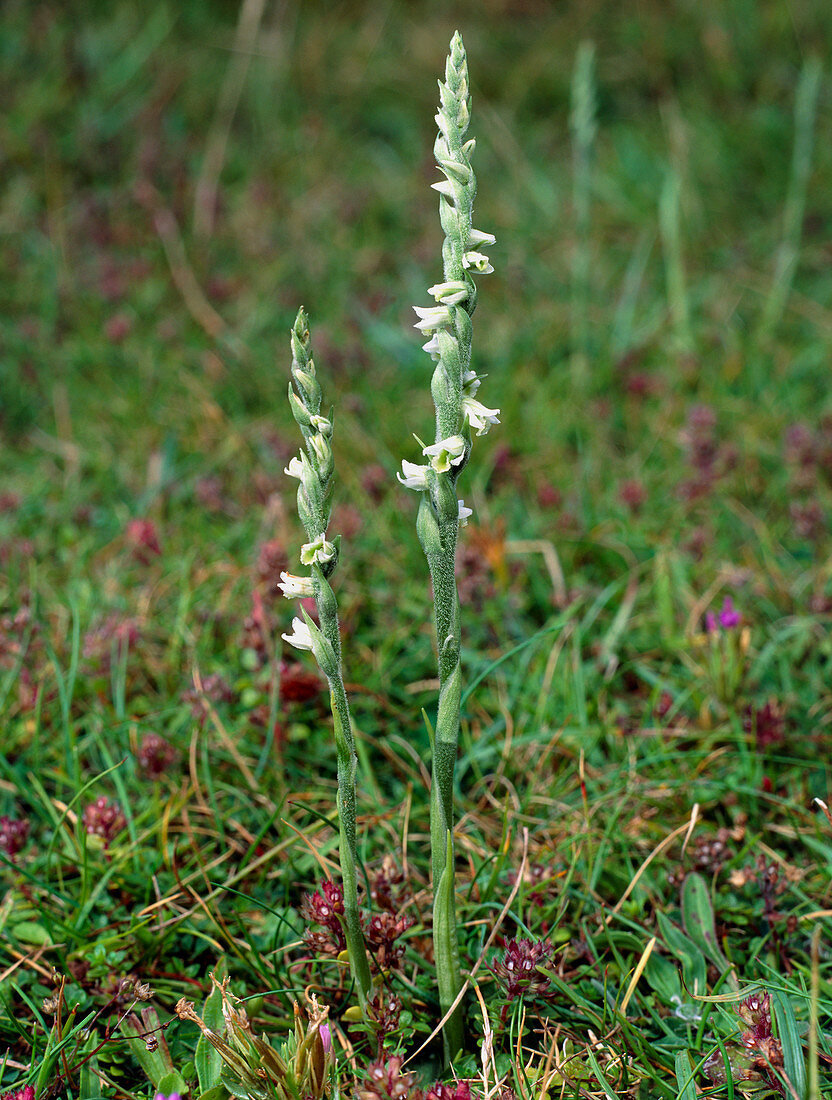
(326, 909)
(26, 1093)
(104, 819)
(298, 1068)
(387, 1079)
(14, 833)
(454, 387)
(522, 972)
(726, 641)
(758, 1054)
(459, 413)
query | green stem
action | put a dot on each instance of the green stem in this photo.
(347, 851)
(446, 948)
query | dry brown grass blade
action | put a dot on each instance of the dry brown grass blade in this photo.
(181, 271)
(245, 40)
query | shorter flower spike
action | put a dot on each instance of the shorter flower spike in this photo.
(315, 470)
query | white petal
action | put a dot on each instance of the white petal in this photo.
(415, 476)
(446, 453)
(319, 551)
(450, 293)
(300, 638)
(454, 445)
(471, 382)
(295, 468)
(464, 512)
(478, 239)
(432, 346)
(295, 588)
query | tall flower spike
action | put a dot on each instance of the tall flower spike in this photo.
(315, 471)
(453, 385)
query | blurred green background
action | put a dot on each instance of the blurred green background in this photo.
(178, 178)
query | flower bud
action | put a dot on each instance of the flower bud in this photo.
(321, 454)
(299, 410)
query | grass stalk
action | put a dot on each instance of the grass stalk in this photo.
(785, 264)
(670, 223)
(583, 123)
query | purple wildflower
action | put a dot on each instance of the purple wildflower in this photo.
(326, 1037)
(729, 617)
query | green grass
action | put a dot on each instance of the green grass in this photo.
(143, 376)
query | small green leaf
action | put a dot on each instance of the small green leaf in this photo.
(237, 1089)
(218, 1092)
(28, 931)
(157, 1064)
(694, 968)
(172, 1082)
(698, 918)
(207, 1058)
(599, 1073)
(663, 977)
(684, 1077)
(794, 1062)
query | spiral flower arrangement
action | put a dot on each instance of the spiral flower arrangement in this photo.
(459, 413)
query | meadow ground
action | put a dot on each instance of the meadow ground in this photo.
(646, 580)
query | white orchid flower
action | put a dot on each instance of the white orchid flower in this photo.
(295, 468)
(321, 424)
(450, 293)
(301, 636)
(431, 318)
(471, 382)
(319, 551)
(295, 588)
(478, 239)
(446, 453)
(432, 347)
(478, 416)
(464, 512)
(415, 476)
(478, 261)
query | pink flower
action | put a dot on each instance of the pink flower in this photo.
(729, 617)
(105, 819)
(26, 1093)
(13, 835)
(143, 540)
